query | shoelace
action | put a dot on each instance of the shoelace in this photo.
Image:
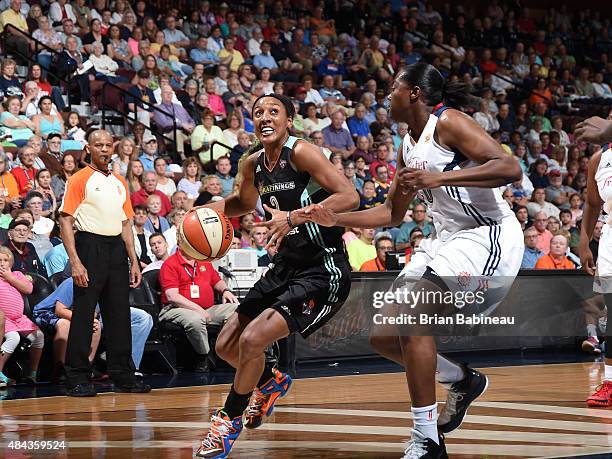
(602, 389)
(257, 402)
(218, 429)
(415, 449)
(453, 397)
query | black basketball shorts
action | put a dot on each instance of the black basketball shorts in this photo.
(307, 297)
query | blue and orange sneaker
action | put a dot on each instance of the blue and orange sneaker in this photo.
(263, 399)
(221, 436)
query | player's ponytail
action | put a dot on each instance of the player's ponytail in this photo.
(435, 87)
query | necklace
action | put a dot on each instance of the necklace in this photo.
(270, 169)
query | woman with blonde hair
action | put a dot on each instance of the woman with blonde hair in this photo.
(13, 285)
(125, 151)
(134, 175)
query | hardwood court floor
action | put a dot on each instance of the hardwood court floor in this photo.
(531, 411)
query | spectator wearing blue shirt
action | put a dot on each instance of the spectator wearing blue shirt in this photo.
(265, 59)
(338, 139)
(331, 65)
(532, 254)
(54, 313)
(408, 55)
(55, 260)
(331, 94)
(202, 55)
(419, 220)
(149, 151)
(224, 167)
(358, 124)
(174, 36)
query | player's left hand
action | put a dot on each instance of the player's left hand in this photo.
(413, 179)
(135, 275)
(278, 227)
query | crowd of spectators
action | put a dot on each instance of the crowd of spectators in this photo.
(533, 74)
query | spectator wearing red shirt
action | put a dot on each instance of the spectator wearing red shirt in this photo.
(382, 152)
(25, 174)
(188, 289)
(149, 187)
(487, 65)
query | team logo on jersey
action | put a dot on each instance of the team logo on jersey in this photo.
(280, 186)
(286, 309)
(282, 163)
(307, 307)
(608, 165)
(258, 168)
(463, 279)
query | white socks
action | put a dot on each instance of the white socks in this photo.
(592, 330)
(608, 373)
(426, 421)
(448, 372)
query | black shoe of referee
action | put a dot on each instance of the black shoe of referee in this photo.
(137, 387)
(460, 395)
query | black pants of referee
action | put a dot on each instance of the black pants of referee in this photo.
(106, 261)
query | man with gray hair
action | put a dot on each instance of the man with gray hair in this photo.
(149, 187)
(336, 138)
(174, 116)
(144, 49)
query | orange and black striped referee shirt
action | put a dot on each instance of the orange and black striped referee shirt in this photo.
(98, 201)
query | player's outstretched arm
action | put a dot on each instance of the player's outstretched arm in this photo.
(245, 201)
(459, 132)
(391, 213)
(594, 130)
(590, 214)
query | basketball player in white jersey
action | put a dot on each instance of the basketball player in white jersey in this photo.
(456, 168)
(599, 192)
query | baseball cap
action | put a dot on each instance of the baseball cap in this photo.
(15, 223)
(301, 90)
(147, 137)
(555, 173)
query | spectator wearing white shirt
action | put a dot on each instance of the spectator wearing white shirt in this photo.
(159, 248)
(254, 43)
(601, 88)
(59, 11)
(485, 119)
(312, 95)
(175, 217)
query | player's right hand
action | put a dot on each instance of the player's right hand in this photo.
(79, 274)
(319, 214)
(594, 130)
(586, 259)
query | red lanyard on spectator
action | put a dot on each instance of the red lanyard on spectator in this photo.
(195, 270)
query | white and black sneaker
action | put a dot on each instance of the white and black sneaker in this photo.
(421, 447)
(460, 395)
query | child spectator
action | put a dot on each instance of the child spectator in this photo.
(13, 284)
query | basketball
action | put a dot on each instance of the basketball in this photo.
(205, 234)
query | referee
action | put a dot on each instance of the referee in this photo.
(97, 205)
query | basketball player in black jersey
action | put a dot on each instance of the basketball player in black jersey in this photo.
(310, 278)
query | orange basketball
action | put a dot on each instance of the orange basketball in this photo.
(205, 234)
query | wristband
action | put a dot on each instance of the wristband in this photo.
(289, 220)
